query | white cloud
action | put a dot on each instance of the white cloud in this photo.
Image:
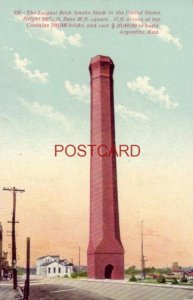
(163, 32)
(56, 37)
(74, 40)
(23, 66)
(46, 111)
(80, 92)
(166, 36)
(51, 35)
(8, 48)
(125, 113)
(142, 85)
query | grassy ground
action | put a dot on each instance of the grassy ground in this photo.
(154, 281)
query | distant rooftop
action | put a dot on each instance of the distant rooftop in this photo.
(53, 256)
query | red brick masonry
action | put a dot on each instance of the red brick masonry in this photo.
(105, 250)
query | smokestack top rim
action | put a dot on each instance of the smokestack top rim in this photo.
(101, 58)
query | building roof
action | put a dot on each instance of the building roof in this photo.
(51, 262)
(65, 262)
(189, 273)
(46, 263)
(53, 256)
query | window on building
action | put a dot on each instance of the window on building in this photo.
(48, 270)
(54, 269)
(66, 270)
(59, 270)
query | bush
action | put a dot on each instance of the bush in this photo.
(174, 281)
(161, 279)
(82, 274)
(74, 275)
(20, 271)
(132, 278)
(65, 276)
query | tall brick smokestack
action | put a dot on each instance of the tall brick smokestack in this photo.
(105, 251)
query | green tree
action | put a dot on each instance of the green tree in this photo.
(131, 270)
(150, 270)
(163, 270)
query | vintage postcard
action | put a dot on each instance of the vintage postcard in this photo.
(96, 149)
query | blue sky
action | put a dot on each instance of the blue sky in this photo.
(134, 56)
(44, 91)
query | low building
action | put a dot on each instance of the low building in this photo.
(189, 275)
(51, 266)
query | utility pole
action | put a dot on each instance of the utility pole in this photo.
(79, 257)
(27, 281)
(14, 249)
(142, 254)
